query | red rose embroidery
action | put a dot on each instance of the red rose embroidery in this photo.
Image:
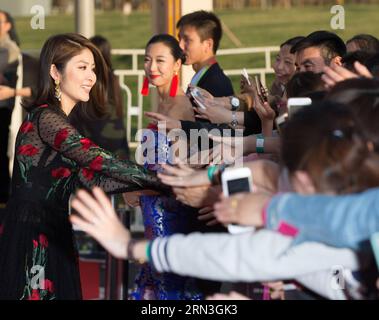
(35, 295)
(86, 143)
(26, 127)
(35, 244)
(48, 285)
(88, 174)
(60, 173)
(43, 241)
(60, 137)
(27, 150)
(96, 163)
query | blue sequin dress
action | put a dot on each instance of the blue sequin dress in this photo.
(163, 215)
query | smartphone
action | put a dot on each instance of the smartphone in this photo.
(374, 240)
(234, 181)
(295, 104)
(280, 121)
(261, 90)
(197, 97)
(246, 76)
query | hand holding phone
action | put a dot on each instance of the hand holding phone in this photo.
(261, 90)
(234, 181)
(280, 121)
(246, 76)
(197, 97)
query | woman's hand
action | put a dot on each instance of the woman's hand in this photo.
(132, 198)
(206, 214)
(245, 87)
(183, 176)
(99, 220)
(335, 73)
(214, 113)
(170, 123)
(241, 145)
(242, 208)
(6, 92)
(197, 197)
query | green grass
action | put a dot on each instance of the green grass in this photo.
(253, 27)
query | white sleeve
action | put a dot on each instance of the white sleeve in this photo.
(323, 283)
(261, 256)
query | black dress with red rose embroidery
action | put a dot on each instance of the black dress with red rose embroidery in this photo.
(38, 259)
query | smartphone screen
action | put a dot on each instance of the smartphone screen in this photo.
(238, 185)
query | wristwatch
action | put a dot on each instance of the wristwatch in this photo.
(235, 102)
(234, 121)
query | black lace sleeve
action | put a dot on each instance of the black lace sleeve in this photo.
(97, 166)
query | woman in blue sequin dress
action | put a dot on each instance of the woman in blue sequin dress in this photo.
(163, 215)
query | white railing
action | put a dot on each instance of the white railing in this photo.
(135, 111)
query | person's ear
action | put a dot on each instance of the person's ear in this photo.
(54, 73)
(302, 182)
(337, 60)
(177, 65)
(209, 44)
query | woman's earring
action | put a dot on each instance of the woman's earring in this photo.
(57, 91)
(174, 85)
(145, 87)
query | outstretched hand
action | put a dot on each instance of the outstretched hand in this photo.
(170, 123)
(99, 220)
(183, 176)
(335, 73)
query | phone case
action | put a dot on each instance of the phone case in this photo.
(196, 95)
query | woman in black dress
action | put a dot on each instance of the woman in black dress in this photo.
(38, 259)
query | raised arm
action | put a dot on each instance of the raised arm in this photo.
(97, 166)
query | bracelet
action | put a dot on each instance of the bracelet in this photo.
(259, 145)
(217, 177)
(211, 171)
(148, 252)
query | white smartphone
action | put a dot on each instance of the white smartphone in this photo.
(196, 95)
(246, 76)
(279, 121)
(295, 104)
(234, 181)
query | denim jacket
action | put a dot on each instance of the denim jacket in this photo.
(340, 221)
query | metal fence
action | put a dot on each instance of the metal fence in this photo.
(134, 112)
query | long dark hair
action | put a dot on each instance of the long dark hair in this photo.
(58, 50)
(171, 43)
(114, 90)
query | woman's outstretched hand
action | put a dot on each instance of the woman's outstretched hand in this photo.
(183, 176)
(170, 123)
(99, 220)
